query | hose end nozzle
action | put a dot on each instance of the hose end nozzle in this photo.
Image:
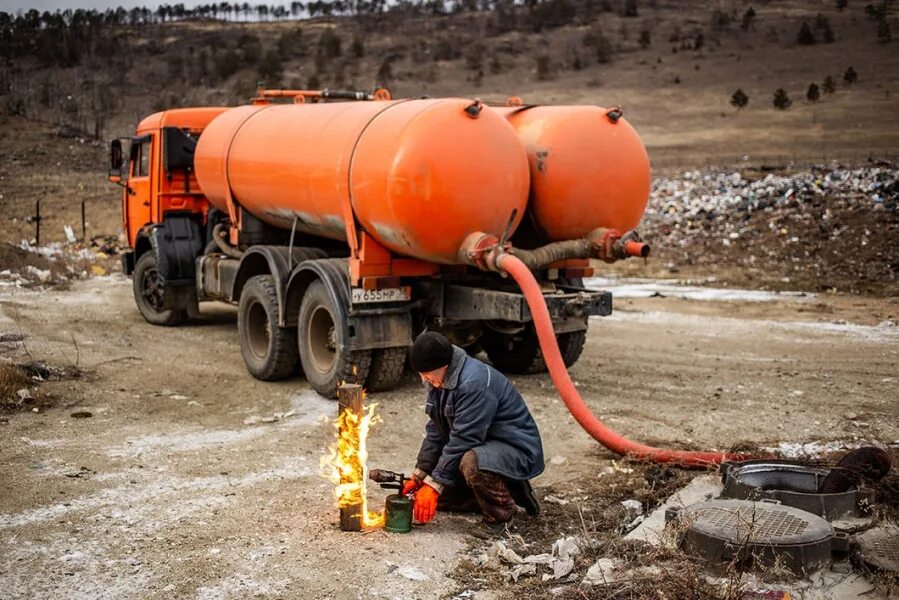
(635, 248)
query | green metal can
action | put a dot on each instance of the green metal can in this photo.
(399, 514)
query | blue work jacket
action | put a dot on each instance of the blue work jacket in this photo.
(478, 409)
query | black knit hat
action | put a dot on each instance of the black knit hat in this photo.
(430, 351)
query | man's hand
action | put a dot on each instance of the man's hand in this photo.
(424, 506)
(412, 485)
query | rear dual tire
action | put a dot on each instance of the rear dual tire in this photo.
(520, 353)
(318, 343)
(323, 345)
(269, 351)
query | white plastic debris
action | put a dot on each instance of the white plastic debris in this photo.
(604, 571)
(539, 559)
(413, 573)
(633, 507)
(42, 274)
(70, 234)
(499, 550)
(521, 570)
(555, 500)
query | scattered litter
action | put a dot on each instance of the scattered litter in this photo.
(539, 559)
(499, 550)
(633, 507)
(70, 234)
(410, 572)
(521, 570)
(254, 420)
(43, 275)
(555, 500)
(604, 571)
(80, 473)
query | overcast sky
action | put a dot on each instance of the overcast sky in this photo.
(13, 6)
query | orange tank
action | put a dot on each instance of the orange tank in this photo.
(587, 170)
(417, 175)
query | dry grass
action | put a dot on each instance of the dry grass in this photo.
(597, 515)
(12, 379)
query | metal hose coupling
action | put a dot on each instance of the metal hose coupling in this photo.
(610, 245)
(483, 250)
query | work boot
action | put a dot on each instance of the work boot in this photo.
(524, 496)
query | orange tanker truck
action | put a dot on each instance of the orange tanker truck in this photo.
(341, 224)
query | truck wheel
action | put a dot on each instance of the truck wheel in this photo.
(148, 293)
(269, 351)
(387, 368)
(571, 345)
(323, 354)
(521, 354)
(517, 353)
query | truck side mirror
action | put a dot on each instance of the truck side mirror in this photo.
(115, 161)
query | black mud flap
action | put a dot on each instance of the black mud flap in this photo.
(177, 243)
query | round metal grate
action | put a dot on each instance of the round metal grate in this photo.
(879, 547)
(757, 535)
(756, 523)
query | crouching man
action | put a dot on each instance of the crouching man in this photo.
(481, 445)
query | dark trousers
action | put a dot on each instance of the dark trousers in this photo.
(482, 491)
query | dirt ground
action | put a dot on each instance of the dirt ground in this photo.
(173, 488)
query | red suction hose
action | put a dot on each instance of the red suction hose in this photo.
(559, 374)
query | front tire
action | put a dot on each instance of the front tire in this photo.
(322, 341)
(269, 351)
(149, 294)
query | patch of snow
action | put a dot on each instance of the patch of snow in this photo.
(646, 288)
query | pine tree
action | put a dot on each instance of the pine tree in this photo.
(884, 34)
(829, 86)
(630, 8)
(748, 19)
(544, 68)
(739, 99)
(645, 39)
(814, 93)
(357, 48)
(850, 76)
(806, 36)
(781, 99)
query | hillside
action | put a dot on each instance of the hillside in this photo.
(673, 68)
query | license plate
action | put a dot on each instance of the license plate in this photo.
(361, 296)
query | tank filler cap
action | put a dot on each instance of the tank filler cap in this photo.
(614, 114)
(473, 110)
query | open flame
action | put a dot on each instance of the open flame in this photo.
(345, 462)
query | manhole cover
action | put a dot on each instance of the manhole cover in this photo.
(757, 535)
(793, 485)
(879, 548)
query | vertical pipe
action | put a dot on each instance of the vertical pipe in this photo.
(37, 223)
(349, 398)
(83, 223)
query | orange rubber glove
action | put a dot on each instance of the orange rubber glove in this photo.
(412, 485)
(424, 506)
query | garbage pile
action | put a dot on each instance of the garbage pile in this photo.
(820, 229)
(56, 264)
